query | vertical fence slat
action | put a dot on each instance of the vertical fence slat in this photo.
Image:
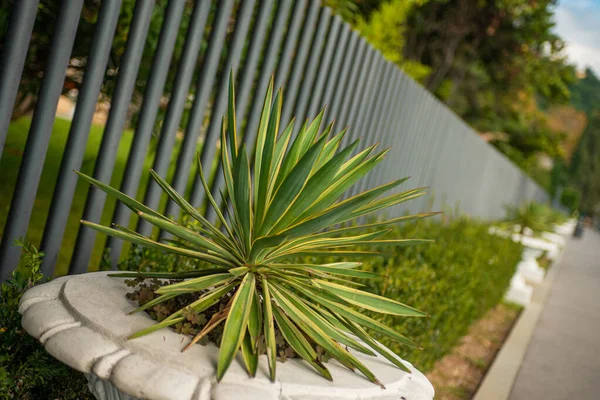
(183, 79)
(209, 153)
(441, 138)
(390, 111)
(419, 123)
(370, 134)
(325, 67)
(372, 90)
(313, 63)
(20, 25)
(342, 47)
(32, 162)
(440, 160)
(299, 63)
(392, 132)
(242, 93)
(412, 135)
(402, 134)
(112, 133)
(336, 92)
(267, 70)
(291, 41)
(382, 100)
(78, 133)
(203, 90)
(357, 98)
(147, 118)
(348, 91)
(427, 150)
(366, 114)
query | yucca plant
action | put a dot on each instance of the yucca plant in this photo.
(288, 206)
(535, 216)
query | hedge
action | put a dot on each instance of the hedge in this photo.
(456, 279)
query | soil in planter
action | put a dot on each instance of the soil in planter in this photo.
(458, 375)
(144, 290)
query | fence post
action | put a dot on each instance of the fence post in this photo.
(62, 198)
(21, 21)
(112, 133)
(39, 134)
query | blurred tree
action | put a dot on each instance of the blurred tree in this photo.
(494, 63)
(386, 29)
(585, 92)
(585, 168)
(570, 198)
(565, 118)
(505, 46)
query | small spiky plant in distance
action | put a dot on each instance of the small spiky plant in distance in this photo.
(535, 216)
(288, 207)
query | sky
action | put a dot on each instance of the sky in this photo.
(578, 23)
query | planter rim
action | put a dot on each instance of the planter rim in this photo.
(81, 320)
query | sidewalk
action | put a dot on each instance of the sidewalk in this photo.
(563, 358)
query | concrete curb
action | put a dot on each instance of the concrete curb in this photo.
(501, 376)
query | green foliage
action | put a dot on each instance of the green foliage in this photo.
(535, 216)
(457, 280)
(288, 207)
(570, 198)
(495, 63)
(347, 9)
(352, 10)
(558, 177)
(499, 47)
(386, 30)
(585, 166)
(27, 371)
(585, 93)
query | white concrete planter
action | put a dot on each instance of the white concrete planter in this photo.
(82, 321)
(552, 249)
(555, 238)
(567, 228)
(529, 268)
(519, 292)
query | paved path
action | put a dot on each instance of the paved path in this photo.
(563, 358)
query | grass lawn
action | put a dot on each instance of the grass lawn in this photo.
(9, 168)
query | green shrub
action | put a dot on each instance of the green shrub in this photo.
(536, 216)
(456, 280)
(27, 371)
(570, 198)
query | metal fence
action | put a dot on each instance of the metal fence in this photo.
(318, 58)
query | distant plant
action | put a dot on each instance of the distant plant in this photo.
(535, 216)
(290, 206)
(27, 371)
